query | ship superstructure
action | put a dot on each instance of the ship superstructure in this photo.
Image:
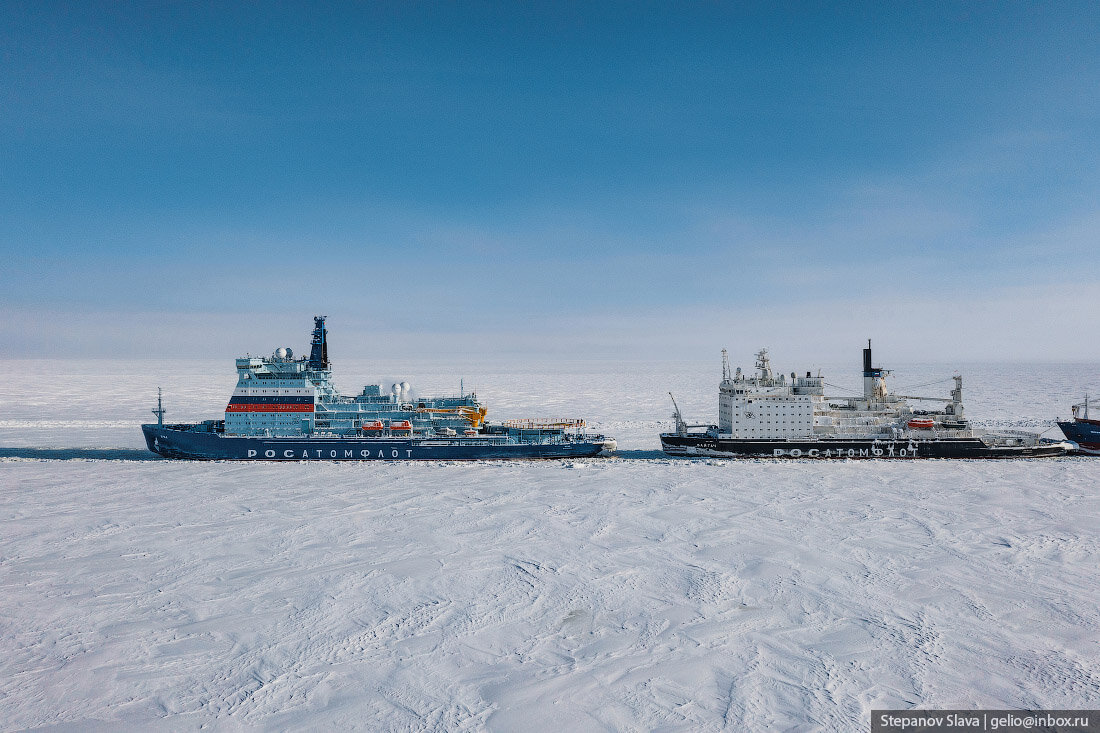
(287, 408)
(283, 396)
(768, 414)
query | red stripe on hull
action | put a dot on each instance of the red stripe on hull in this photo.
(268, 408)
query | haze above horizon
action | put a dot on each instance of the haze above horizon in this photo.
(551, 179)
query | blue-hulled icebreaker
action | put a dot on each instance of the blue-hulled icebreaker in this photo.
(286, 409)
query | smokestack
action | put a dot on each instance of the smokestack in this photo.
(867, 359)
(318, 352)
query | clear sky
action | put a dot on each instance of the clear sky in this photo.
(641, 180)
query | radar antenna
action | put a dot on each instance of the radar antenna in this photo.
(159, 412)
(765, 366)
(725, 366)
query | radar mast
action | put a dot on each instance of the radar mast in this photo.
(159, 412)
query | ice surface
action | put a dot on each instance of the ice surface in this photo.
(636, 593)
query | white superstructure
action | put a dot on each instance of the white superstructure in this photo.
(764, 414)
(766, 406)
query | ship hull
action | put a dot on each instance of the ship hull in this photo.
(705, 445)
(178, 441)
(1085, 433)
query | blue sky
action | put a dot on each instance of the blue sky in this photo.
(606, 180)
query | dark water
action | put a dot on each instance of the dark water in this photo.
(69, 454)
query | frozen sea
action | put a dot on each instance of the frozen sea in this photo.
(632, 593)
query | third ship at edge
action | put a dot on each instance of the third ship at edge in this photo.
(1083, 430)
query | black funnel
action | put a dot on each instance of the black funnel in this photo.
(318, 353)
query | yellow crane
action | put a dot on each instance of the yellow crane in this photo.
(474, 415)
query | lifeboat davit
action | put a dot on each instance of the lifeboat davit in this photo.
(921, 423)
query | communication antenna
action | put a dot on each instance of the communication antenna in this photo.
(725, 366)
(461, 387)
(159, 412)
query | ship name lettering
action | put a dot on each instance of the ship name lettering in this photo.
(365, 453)
(318, 452)
(269, 454)
(394, 453)
(332, 454)
(813, 452)
(381, 454)
(305, 454)
(796, 452)
(777, 452)
(851, 452)
(288, 454)
(349, 453)
(863, 452)
(902, 453)
(890, 449)
(876, 451)
(409, 451)
(251, 453)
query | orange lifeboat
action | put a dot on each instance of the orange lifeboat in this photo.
(372, 426)
(921, 423)
(469, 432)
(401, 426)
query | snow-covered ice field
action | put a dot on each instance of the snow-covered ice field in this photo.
(634, 593)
